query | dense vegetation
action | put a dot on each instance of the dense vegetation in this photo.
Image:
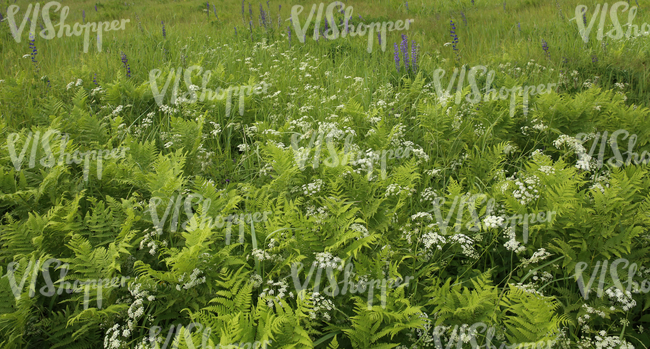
(308, 166)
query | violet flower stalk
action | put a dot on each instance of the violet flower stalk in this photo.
(404, 48)
(125, 60)
(396, 57)
(584, 16)
(95, 79)
(243, 18)
(407, 6)
(250, 11)
(289, 29)
(208, 5)
(379, 37)
(463, 15)
(455, 39)
(95, 8)
(32, 46)
(83, 15)
(279, 17)
(163, 26)
(263, 15)
(545, 48)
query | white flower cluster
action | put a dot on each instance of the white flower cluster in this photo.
(538, 256)
(574, 144)
(194, 280)
(360, 228)
(312, 188)
(426, 215)
(428, 194)
(547, 170)
(262, 255)
(466, 243)
(135, 312)
(269, 293)
(396, 189)
(510, 148)
(256, 280)
(493, 221)
(320, 213)
(321, 305)
(433, 239)
(617, 296)
(151, 243)
(512, 244)
(602, 341)
(327, 260)
(527, 191)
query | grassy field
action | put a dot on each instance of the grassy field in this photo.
(421, 218)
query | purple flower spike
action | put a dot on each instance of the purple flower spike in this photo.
(164, 32)
(125, 60)
(404, 48)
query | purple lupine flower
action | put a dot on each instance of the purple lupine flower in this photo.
(396, 57)
(289, 29)
(250, 11)
(325, 31)
(83, 15)
(215, 12)
(279, 17)
(584, 16)
(519, 26)
(263, 15)
(32, 45)
(95, 79)
(243, 17)
(472, 2)
(455, 39)
(360, 18)
(379, 37)
(250, 26)
(594, 59)
(463, 15)
(1, 17)
(404, 48)
(208, 5)
(414, 56)
(164, 32)
(545, 48)
(95, 8)
(407, 6)
(126, 65)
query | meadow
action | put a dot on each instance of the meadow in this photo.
(199, 177)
